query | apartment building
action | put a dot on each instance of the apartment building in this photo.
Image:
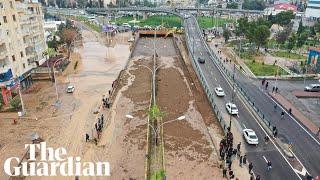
(22, 44)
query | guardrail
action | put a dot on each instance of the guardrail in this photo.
(210, 95)
(214, 58)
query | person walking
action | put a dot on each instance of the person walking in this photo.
(275, 107)
(87, 137)
(238, 147)
(250, 167)
(275, 133)
(258, 177)
(224, 172)
(282, 114)
(269, 166)
(273, 89)
(240, 161)
(266, 139)
(267, 84)
(244, 160)
(276, 89)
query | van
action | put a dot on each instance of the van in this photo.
(313, 88)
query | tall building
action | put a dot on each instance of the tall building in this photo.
(313, 9)
(22, 44)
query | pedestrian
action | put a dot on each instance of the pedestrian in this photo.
(273, 89)
(240, 161)
(224, 172)
(290, 111)
(234, 151)
(239, 146)
(275, 107)
(251, 177)
(276, 89)
(282, 114)
(250, 167)
(87, 137)
(275, 133)
(231, 175)
(230, 164)
(266, 139)
(318, 133)
(258, 177)
(269, 166)
(267, 84)
(109, 92)
(102, 117)
(244, 160)
(96, 126)
(96, 141)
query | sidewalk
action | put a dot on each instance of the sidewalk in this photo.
(295, 112)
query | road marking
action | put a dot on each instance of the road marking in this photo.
(265, 159)
(249, 111)
(244, 126)
(294, 119)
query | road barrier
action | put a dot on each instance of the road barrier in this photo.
(210, 95)
(224, 71)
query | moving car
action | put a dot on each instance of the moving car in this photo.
(219, 91)
(232, 108)
(313, 88)
(250, 136)
(201, 60)
(70, 89)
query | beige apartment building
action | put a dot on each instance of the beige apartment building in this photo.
(22, 44)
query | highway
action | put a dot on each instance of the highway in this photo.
(214, 78)
(306, 146)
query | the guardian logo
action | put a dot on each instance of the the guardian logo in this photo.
(53, 162)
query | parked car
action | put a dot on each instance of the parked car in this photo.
(70, 89)
(201, 60)
(313, 88)
(232, 108)
(219, 91)
(250, 136)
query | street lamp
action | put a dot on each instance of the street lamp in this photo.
(156, 130)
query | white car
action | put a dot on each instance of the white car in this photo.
(70, 89)
(250, 136)
(232, 108)
(219, 91)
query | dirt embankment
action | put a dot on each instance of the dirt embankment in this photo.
(189, 149)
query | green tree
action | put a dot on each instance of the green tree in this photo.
(82, 3)
(232, 5)
(284, 18)
(282, 36)
(300, 28)
(242, 26)
(291, 42)
(302, 39)
(262, 33)
(226, 34)
(254, 4)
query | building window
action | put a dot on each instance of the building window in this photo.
(21, 53)
(13, 58)
(14, 17)
(5, 19)
(24, 65)
(11, 4)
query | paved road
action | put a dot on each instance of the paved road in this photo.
(306, 145)
(257, 154)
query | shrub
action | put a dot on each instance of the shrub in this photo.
(15, 103)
